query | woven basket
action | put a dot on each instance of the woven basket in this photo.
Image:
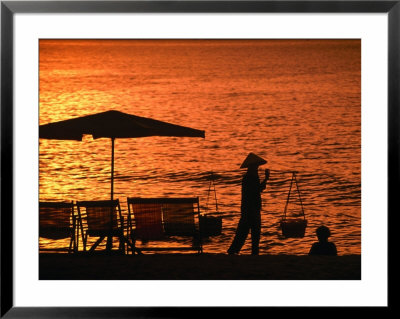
(210, 225)
(294, 227)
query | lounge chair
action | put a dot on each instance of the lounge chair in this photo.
(58, 221)
(102, 219)
(159, 219)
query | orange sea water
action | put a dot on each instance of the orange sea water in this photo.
(296, 103)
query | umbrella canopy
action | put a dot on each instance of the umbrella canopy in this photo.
(113, 124)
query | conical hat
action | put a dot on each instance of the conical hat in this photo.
(253, 159)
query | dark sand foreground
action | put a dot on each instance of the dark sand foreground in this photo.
(198, 267)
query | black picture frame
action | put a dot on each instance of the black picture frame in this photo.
(9, 8)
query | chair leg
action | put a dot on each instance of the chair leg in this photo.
(109, 242)
(97, 243)
(131, 245)
(122, 243)
(84, 241)
(70, 244)
(76, 242)
(73, 243)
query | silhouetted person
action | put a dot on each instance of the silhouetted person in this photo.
(323, 246)
(251, 205)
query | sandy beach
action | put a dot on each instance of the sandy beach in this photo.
(198, 267)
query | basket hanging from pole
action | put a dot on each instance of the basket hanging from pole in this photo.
(211, 225)
(294, 227)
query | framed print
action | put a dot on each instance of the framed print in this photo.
(172, 158)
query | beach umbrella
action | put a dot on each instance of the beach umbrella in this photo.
(113, 124)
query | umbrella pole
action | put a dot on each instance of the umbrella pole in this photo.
(112, 168)
(109, 237)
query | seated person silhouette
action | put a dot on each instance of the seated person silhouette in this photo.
(323, 246)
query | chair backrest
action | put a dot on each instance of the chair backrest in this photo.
(56, 219)
(100, 215)
(156, 217)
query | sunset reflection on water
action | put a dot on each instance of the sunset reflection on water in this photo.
(296, 103)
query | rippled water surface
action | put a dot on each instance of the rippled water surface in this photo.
(296, 103)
